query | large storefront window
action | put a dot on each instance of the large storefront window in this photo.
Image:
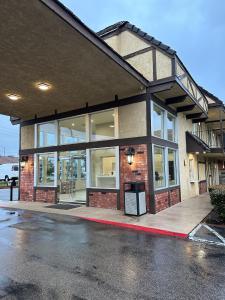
(172, 167)
(157, 121)
(72, 130)
(102, 125)
(46, 169)
(159, 167)
(46, 134)
(103, 168)
(170, 128)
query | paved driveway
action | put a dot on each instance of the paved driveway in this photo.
(45, 256)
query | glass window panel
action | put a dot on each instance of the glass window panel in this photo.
(159, 176)
(103, 168)
(46, 134)
(103, 125)
(172, 167)
(72, 130)
(46, 169)
(157, 121)
(170, 128)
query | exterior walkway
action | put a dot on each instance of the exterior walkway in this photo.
(178, 220)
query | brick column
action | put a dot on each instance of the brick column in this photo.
(27, 180)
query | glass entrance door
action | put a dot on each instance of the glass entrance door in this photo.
(72, 176)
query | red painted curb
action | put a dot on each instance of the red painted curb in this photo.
(137, 227)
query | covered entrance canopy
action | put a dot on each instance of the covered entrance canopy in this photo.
(43, 42)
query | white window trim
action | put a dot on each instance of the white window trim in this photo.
(166, 167)
(87, 128)
(55, 184)
(88, 168)
(164, 129)
(36, 141)
(74, 117)
(116, 124)
(176, 167)
(153, 153)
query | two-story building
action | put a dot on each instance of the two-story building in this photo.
(98, 110)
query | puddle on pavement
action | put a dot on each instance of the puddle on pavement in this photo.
(11, 289)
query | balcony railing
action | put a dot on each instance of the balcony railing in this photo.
(210, 137)
(191, 87)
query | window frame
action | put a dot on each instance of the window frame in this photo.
(36, 136)
(116, 124)
(166, 167)
(89, 171)
(166, 113)
(36, 168)
(87, 128)
(74, 117)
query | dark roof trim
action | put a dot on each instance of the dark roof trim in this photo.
(123, 25)
(67, 15)
(195, 144)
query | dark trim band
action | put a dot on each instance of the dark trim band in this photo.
(89, 145)
(85, 110)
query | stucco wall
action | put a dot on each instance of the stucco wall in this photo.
(143, 63)
(188, 189)
(27, 137)
(126, 42)
(132, 120)
(163, 65)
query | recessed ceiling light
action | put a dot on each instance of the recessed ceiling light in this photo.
(73, 124)
(13, 97)
(111, 126)
(43, 86)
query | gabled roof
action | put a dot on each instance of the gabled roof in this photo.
(210, 95)
(119, 26)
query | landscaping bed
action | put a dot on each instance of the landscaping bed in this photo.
(213, 218)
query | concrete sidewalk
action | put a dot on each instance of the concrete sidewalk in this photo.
(178, 220)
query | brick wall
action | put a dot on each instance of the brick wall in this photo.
(174, 196)
(161, 201)
(27, 191)
(103, 199)
(166, 199)
(202, 186)
(27, 180)
(138, 171)
(46, 195)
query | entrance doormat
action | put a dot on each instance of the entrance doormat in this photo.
(64, 206)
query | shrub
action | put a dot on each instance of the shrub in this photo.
(217, 196)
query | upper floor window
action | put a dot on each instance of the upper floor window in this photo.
(158, 121)
(102, 125)
(163, 124)
(72, 130)
(46, 134)
(170, 127)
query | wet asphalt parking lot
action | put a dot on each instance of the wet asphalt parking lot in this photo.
(46, 256)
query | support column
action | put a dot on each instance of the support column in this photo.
(152, 208)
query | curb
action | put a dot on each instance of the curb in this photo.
(137, 227)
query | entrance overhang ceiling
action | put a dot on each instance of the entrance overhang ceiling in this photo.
(41, 41)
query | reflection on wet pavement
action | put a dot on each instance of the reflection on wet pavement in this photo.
(60, 257)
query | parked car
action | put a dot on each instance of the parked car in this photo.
(7, 171)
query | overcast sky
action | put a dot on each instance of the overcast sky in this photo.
(195, 29)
